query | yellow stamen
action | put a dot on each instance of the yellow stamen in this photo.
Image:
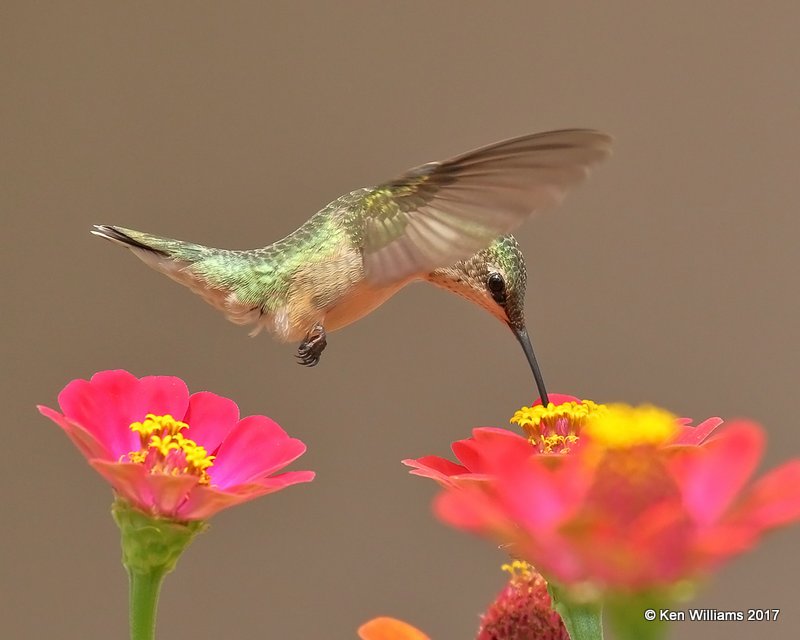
(623, 426)
(164, 449)
(554, 428)
(520, 570)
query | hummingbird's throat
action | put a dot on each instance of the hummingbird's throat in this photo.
(165, 450)
(556, 428)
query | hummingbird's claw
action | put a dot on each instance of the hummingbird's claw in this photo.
(310, 350)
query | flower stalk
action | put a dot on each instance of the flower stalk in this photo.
(143, 602)
(583, 620)
(151, 547)
(635, 616)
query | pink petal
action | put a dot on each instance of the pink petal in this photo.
(696, 435)
(472, 509)
(544, 492)
(107, 405)
(775, 499)
(287, 479)
(205, 501)
(170, 492)
(485, 441)
(130, 480)
(712, 475)
(85, 441)
(558, 399)
(210, 418)
(434, 467)
(255, 448)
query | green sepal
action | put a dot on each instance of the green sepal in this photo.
(582, 618)
(151, 547)
(149, 543)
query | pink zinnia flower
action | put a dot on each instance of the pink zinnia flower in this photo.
(170, 454)
(637, 500)
(561, 428)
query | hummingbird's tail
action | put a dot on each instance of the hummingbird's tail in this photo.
(174, 258)
(217, 275)
(152, 248)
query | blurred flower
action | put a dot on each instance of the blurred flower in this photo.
(389, 629)
(170, 454)
(638, 499)
(522, 610)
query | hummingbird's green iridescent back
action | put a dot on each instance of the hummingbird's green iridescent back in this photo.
(264, 277)
(437, 222)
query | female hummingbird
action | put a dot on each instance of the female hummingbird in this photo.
(363, 247)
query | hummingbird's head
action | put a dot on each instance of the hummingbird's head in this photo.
(495, 279)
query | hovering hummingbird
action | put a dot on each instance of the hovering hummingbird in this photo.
(363, 247)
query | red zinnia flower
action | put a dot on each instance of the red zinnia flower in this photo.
(561, 432)
(170, 454)
(637, 499)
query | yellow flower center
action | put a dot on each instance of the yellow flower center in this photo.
(554, 428)
(519, 570)
(164, 449)
(621, 426)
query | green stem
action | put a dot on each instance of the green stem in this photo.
(636, 616)
(151, 546)
(583, 620)
(144, 591)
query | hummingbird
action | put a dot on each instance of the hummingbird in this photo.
(446, 222)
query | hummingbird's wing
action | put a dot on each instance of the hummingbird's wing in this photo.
(442, 212)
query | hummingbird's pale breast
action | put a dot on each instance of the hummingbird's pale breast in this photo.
(330, 291)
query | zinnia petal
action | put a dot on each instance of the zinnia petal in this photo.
(129, 480)
(712, 475)
(775, 499)
(170, 492)
(256, 448)
(557, 399)
(434, 467)
(389, 629)
(86, 443)
(471, 451)
(210, 418)
(203, 502)
(690, 435)
(107, 404)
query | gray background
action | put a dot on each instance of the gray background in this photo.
(670, 277)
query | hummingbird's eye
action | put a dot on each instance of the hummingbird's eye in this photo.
(497, 287)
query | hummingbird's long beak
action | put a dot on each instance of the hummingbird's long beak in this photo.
(527, 347)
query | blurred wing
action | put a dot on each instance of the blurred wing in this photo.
(442, 212)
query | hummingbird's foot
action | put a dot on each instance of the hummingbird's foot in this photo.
(310, 350)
